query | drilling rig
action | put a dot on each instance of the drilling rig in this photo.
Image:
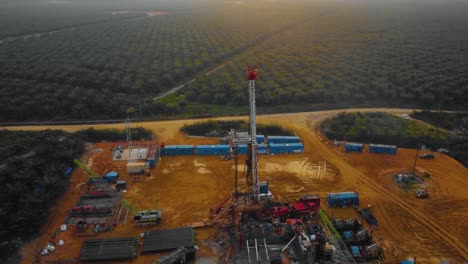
(252, 162)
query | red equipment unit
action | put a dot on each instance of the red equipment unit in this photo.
(280, 211)
(251, 73)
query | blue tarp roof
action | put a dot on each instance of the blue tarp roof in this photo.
(343, 195)
(178, 146)
(213, 146)
(112, 174)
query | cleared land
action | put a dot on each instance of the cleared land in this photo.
(186, 187)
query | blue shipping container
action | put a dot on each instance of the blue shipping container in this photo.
(283, 139)
(277, 148)
(383, 149)
(241, 149)
(295, 148)
(262, 149)
(342, 199)
(177, 150)
(286, 148)
(260, 139)
(213, 150)
(353, 147)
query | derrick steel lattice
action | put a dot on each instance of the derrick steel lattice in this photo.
(252, 76)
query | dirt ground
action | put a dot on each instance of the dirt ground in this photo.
(185, 187)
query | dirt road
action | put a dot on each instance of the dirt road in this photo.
(433, 229)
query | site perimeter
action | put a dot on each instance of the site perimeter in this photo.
(185, 187)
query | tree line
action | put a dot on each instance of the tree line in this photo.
(383, 128)
(30, 184)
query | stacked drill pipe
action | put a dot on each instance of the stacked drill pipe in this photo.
(109, 249)
(160, 240)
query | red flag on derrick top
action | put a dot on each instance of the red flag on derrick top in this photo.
(251, 73)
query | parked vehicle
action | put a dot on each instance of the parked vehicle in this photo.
(422, 194)
(428, 156)
(367, 215)
(148, 216)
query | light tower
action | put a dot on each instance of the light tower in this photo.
(128, 131)
(252, 76)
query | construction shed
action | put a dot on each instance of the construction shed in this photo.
(260, 139)
(241, 149)
(383, 149)
(283, 139)
(213, 150)
(111, 177)
(342, 199)
(137, 167)
(353, 147)
(161, 240)
(109, 249)
(262, 149)
(177, 150)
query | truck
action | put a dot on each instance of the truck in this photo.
(422, 194)
(148, 217)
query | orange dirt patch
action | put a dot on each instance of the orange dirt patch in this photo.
(186, 186)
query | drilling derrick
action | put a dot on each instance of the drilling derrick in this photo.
(252, 162)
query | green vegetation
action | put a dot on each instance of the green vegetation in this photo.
(456, 123)
(383, 128)
(32, 177)
(222, 128)
(449, 121)
(319, 55)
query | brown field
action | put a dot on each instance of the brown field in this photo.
(185, 187)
